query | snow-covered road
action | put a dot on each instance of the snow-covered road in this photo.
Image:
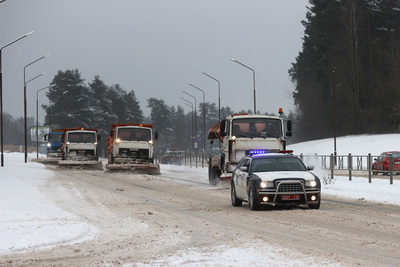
(74, 218)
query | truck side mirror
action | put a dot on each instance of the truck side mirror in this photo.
(222, 126)
(222, 129)
(45, 137)
(289, 126)
(156, 136)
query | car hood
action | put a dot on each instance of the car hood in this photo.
(270, 176)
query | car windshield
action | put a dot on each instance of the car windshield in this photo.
(394, 154)
(273, 164)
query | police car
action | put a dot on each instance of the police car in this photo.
(274, 179)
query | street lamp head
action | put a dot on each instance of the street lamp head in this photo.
(29, 33)
(234, 60)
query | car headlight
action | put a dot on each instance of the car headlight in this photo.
(266, 184)
(311, 183)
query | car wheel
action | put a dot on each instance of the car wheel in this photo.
(254, 203)
(316, 205)
(235, 201)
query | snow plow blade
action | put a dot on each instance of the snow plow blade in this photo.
(49, 160)
(76, 164)
(142, 168)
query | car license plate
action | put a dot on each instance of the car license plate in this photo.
(290, 197)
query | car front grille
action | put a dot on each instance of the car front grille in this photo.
(290, 187)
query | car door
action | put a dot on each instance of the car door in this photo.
(242, 178)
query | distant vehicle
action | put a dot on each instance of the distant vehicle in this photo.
(175, 157)
(274, 179)
(79, 149)
(130, 147)
(382, 163)
(54, 139)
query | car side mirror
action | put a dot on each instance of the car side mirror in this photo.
(310, 167)
(243, 168)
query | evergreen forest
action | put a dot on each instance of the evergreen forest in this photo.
(347, 76)
(346, 79)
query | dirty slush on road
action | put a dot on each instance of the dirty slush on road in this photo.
(143, 219)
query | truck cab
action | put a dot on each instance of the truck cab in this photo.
(130, 142)
(53, 143)
(244, 134)
(80, 144)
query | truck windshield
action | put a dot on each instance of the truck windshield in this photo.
(257, 127)
(54, 138)
(134, 134)
(82, 137)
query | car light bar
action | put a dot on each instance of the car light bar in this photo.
(265, 151)
(257, 151)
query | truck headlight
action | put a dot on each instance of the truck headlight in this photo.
(48, 145)
(311, 183)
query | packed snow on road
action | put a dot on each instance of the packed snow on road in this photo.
(31, 220)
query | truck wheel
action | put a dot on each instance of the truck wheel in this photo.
(213, 175)
(254, 203)
(110, 159)
(235, 201)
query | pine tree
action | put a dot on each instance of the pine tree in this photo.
(71, 101)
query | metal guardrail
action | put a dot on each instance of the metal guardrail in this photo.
(190, 159)
(351, 163)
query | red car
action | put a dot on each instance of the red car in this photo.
(382, 163)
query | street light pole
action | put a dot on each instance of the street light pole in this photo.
(219, 95)
(1, 96)
(254, 81)
(25, 109)
(190, 104)
(37, 118)
(204, 117)
(25, 116)
(334, 115)
(195, 113)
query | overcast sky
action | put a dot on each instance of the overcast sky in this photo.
(156, 48)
